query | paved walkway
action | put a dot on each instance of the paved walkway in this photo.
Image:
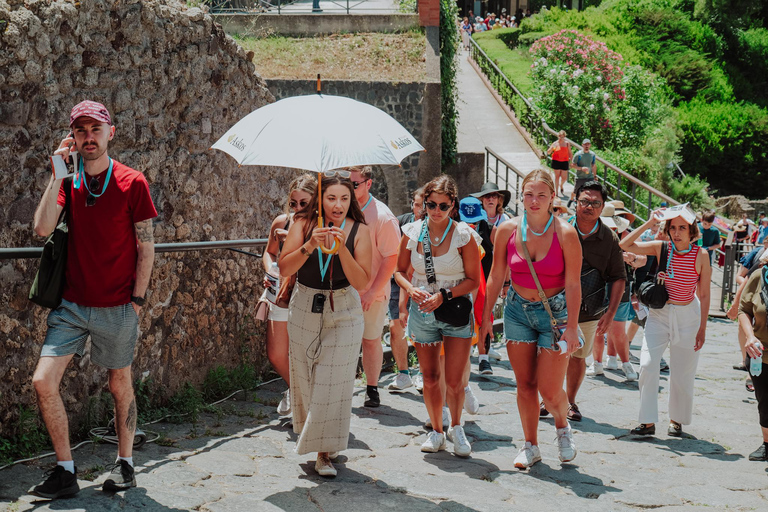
(243, 459)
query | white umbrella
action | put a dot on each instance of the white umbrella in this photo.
(318, 133)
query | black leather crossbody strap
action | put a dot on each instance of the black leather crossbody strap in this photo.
(429, 264)
(542, 295)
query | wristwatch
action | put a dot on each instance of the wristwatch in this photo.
(304, 251)
(447, 294)
(139, 301)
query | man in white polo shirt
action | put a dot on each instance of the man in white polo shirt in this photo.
(385, 240)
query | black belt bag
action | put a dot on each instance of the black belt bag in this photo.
(458, 310)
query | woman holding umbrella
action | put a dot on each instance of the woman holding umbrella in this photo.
(325, 319)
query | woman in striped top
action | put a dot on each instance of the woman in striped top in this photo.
(681, 323)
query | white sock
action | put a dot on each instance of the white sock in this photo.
(69, 465)
(467, 389)
(483, 357)
(129, 460)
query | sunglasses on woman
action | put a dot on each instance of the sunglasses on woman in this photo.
(301, 204)
(444, 207)
(339, 173)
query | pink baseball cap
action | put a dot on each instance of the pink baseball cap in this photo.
(90, 109)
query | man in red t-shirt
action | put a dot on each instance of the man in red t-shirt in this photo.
(109, 263)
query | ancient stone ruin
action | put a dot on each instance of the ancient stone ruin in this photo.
(174, 83)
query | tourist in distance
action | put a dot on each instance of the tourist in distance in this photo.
(681, 323)
(561, 154)
(453, 274)
(384, 232)
(710, 235)
(538, 364)
(111, 252)
(585, 164)
(325, 318)
(753, 321)
(300, 192)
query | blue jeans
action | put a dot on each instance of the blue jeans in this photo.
(527, 321)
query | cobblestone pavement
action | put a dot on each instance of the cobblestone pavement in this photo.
(243, 459)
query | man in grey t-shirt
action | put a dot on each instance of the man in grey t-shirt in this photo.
(585, 164)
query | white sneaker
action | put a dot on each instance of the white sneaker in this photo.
(471, 403)
(402, 381)
(494, 354)
(475, 352)
(418, 382)
(629, 371)
(434, 443)
(527, 456)
(284, 407)
(461, 446)
(566, 448)
(446, 419)
(611, 363)
(595, 369)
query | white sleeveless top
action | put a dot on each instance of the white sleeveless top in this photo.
(449, 268)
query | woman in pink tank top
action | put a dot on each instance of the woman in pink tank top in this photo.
(538, 364)
(681, 323)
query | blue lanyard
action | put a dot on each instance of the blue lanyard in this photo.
(572, 220)
(324, 267)
(370, 198)
(525, 227)
(80, 178)
(425, 232)
(670, 271)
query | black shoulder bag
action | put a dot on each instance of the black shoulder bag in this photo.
(456, 311)
(652, 291)
(48, 286)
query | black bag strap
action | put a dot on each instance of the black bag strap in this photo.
(429, 264)
(542, 295)
(67, 184)
(665, 250)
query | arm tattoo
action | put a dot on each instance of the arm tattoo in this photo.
(130, 420)
(144, 231)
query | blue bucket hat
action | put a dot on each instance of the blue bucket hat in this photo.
(471, 210)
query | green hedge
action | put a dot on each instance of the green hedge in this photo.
(513, 62)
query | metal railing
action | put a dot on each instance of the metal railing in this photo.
(232, 245)
(621, 185)
(300, 7)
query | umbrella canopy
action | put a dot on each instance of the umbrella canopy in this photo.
(318, 133)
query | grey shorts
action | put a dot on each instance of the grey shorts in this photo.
(113, 332)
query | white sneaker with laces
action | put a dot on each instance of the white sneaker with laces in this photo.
(629, 371)
(434, 443)
(461, 446)
(402, 381)
(418, 382)
(528, 455)
(471, 403)
(446, 419)
(284, 407)
(565, 447)
(595, 369)
(494, 354)
(611, 363)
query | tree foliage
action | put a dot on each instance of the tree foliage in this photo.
(450, 41)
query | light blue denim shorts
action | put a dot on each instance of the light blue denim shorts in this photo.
(113, 333)
(624, 313)
(526, 321)
(428, 334)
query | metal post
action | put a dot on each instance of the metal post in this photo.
(347, 6)
(279, 5)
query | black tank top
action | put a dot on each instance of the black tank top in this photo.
(309, 273)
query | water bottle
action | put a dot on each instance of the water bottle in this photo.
(429, 318)
(563, 345)
(755, 366)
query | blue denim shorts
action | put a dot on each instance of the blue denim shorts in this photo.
(429, 334)
(624, 313)
(528, 322)
(113, 333)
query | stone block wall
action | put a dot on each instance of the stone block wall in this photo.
(174, 82)
(415, 105)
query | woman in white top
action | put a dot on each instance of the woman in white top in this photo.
(455, 255)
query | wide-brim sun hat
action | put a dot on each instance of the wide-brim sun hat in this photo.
(559, 208)
(489, 188)
(471, 210)
(613, 221)
(620, 209)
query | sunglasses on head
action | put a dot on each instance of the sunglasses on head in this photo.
(444, 207)
(93, 186)
(339, 173)
(301, 204)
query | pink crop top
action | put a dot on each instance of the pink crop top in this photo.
(551, 270)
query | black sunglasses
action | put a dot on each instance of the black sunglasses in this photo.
(586, 203)
(444, 207)
(356, 184)
(93, 186)
(302, 204)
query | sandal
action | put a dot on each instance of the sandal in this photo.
(748, 384)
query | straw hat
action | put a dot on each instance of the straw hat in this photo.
(558, 207)
(621, 210)
(613, 221)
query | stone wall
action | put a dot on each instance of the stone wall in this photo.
(174, 82)
(414, 105)
(309, 25)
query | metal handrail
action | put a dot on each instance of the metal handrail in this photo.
(541, 132)
(12, 253)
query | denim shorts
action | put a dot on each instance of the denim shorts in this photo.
(113, 333)
(394, 301)
(624, 313)
(428, 334)
(526, 321)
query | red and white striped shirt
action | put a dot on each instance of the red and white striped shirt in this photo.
(682, 285)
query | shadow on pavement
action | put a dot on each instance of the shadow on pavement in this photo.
(92, 498)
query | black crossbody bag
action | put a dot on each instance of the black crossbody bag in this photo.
(458, 310)
(48, 286)
(652, 292)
